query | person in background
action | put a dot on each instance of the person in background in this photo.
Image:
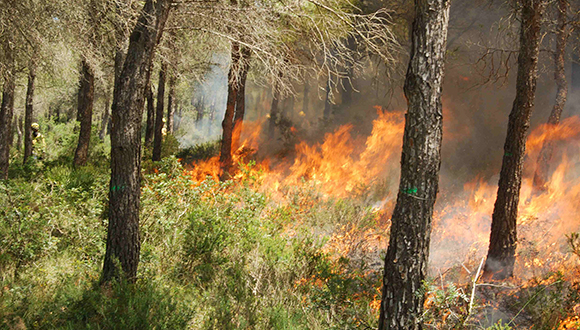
(38, 143)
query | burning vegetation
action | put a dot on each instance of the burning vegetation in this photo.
(307, 164)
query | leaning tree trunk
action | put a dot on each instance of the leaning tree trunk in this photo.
(171, 102)
(408, 251)
(241, 97)
(540, 180)
(226, 161)
(158, 132)
(123, 242)
(503, 239)
(7, 110)
(150, 126)
(85, 113)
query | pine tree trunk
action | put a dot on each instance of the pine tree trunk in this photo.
(123, 242)
(85, 113)
(19, 127)
(150, 128)
(327, 104)
(226, 161)
(171, 103)
(7, 110)
(540, 180)
(305, 100)
(241, 97)
(105, 119)
(503, 238)
(158, 133)
(408, 251)
(274, 112)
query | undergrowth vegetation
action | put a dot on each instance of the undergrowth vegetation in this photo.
(213, 256)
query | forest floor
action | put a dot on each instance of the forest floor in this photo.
(227, 255)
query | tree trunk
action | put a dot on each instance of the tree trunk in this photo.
(226, 161)
(327, 104)
(123, 242)
(105, 119)
(274, 112)
(171, 102)
(305, 100)
(199, 107)
(7, 110)
(241, 97)
(408, 251)
(503, 238)
(348, 81)
(158, 136)
(150, 128)
(85, 113)
(540, 180)
(575, 84)
(19, 126)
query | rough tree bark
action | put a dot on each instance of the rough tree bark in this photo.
(86, 97)
(29, 111)
(150, 126)
(171, 101)
(503, 238)
(226, 161)
(540, 181)
(123, 242)
(241, 95)
(158, 132)
(408, 251)
(19, 125)
(105, 119)
(7, 110)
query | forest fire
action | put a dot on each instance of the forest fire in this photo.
(343, 165)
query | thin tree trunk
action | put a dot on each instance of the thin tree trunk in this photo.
(158, 136)
(241, 96)
(305, 100)
(171, 102)
(85, 113)
(7, 110)
(123, 242)
(327, 104)
(540, 181)
(150, 128)
(199, 107)
(226, 161)
(503, 238)
(408, 251)
(274, 111)
(105, 119)
(19, 131)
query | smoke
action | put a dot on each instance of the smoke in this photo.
(209, 102)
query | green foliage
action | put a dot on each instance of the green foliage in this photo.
(447, 306)
(201, 151)
(546, 301)
(169, 145)
(214, 255)
(144, 305)
(574, 243)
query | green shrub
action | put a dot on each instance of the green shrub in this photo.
(201, 151)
